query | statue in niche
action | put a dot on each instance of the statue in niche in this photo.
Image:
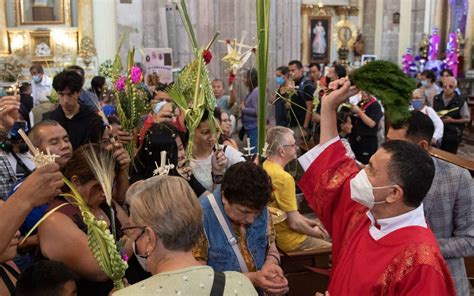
(42, 50)
(423, 46)
(359, 45)
(461, 42)
(87, 50)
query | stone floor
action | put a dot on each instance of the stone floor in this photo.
(466, 150)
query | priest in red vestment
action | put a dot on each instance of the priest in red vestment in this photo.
(381, 242)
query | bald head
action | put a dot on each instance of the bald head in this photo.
(449, 85)
(450, 80)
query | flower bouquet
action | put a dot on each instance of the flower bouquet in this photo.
(105, 69)
(130, 98)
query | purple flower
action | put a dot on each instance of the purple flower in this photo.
(125, 257)
(120, 84)
(135, 75)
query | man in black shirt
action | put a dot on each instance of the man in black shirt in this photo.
(457, 117)
(82, 124)
(365, 122)
(301, 101)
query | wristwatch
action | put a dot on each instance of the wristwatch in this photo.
(217, 179)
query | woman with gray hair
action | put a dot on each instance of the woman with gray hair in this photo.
(418, 102)
(166, 221)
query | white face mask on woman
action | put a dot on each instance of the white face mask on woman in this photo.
(362, 190)
(140, 259)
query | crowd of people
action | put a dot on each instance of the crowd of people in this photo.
(206, 227)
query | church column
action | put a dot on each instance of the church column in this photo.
(378, 28)
(360, 20)
(469, 37)
(85, 19)
(3, 28)
(427, 18)
(405, 26)
(155, 33)
(104, 29)
(439, 11)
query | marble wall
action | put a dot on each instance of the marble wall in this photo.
(390, 31)
(129, 19)
(417, 23)
(157, 24)
(368, 29)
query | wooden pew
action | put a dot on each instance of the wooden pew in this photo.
(454, 159)
(307, 271)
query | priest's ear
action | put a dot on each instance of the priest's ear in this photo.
(396, 195)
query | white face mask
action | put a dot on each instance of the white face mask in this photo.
(362, 190)
(141, 259)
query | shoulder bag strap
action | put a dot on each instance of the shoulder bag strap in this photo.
(7, 281)
(11, 270)
(218, 284)
(230, 237)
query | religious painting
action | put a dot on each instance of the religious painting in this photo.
(38, 12)
(41, 46)
(319, 46)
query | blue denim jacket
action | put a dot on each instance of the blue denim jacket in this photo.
(220, 254)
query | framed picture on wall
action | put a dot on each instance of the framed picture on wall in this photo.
(366, 58)
(43, 12)
(42, 47)
(319, 47)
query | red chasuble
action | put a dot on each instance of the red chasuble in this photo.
(406, 261)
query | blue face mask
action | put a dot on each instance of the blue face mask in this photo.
(417, 104)
(36, 78)
(424, 83)
(280, 80)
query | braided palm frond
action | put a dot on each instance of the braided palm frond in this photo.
(100, 241)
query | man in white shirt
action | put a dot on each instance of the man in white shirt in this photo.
(418, 102)
(41, 84)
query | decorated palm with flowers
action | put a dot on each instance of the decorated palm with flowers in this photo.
(192, 90)
(130, 97)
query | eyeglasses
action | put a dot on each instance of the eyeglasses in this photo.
(125, 230)
(291, 145)
(449, 86)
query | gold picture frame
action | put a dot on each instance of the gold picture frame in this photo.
(42, 46)
(30, 12)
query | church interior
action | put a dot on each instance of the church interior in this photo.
(415, 35)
